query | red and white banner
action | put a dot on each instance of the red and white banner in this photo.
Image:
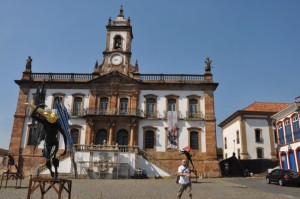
(172, 133)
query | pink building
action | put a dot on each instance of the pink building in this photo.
(286, 123)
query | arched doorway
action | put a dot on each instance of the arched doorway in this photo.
(298, 158)
(101, 135)
(284, 162)
(292, 161)
(122, 137)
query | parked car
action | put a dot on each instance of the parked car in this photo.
(283, 177)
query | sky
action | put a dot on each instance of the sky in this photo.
(254, 45)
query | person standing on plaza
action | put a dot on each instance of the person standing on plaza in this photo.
(184, 179)
(11, 162)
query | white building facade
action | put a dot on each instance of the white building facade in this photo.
(248, 133)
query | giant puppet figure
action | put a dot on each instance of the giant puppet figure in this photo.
(49, 126)
(186, 151)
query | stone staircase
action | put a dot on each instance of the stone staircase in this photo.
(44, 167)
(156, 162)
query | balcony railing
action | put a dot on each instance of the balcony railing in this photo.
(289, 138)
(152, 114)
(98, 147)
(121, 112)
(297, 135)
(77, 113)
(179, 115)
(61, 76)
(281, 141)
(133, 112)
(171, 78)
(194, 115)
(80, 77)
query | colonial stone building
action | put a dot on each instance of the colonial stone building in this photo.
(121, 115)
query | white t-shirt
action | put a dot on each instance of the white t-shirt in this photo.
(183, 179)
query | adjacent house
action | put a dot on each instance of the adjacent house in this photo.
(249, 132)
(287, 128)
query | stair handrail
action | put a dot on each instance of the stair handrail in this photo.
(154, 160)
(60, 158)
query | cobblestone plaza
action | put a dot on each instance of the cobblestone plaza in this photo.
(215, 188)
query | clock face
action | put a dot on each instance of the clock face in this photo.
(116, 59)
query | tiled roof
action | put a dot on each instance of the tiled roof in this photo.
(266, 106)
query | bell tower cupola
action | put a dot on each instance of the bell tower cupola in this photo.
(117, 54)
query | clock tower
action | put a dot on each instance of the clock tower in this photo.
(117, 54)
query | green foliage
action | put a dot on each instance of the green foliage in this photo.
(219, 150)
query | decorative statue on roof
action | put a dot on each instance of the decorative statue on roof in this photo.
(208, 62)
(28, 63)
(48, 128)
(136, 67)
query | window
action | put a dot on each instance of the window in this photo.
(117, 42)
(77, 105)
(101, 135)
(103, 105)
(237, 137)
(275, 136)
(194, 140)
(298, 155)
(280, 134)
(225, 143)
(123, 105)
(292, 162)
(171, 104)
(258, 136)
(239, 153)
(122, 137)
(150, 107)
(32, 136)
(296, 130)
(288, 132)
(260, 152)
(284, 161)
(149, 134)
(149, 139)
(193, 109)
(75, 136)
(58, 97)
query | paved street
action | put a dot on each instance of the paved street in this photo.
(220, 188)
(261, 184)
